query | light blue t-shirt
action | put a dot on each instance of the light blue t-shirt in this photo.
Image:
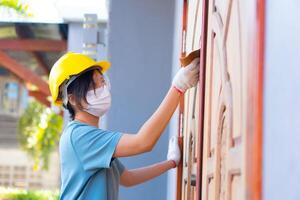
(88, 171)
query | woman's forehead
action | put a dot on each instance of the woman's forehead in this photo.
(97, 74)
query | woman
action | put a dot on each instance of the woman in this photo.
(90, 168)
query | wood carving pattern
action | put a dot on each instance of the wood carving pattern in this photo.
(229, 63)
(223, 119)
(191, 99)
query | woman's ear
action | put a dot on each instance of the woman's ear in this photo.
(71, 99)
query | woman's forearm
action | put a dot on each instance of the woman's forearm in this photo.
(140, 175)
(155, 125)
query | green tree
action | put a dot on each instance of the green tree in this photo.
(15, 5)
(39, 130)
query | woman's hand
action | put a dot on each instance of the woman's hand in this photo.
(174, 150)
(187, 77)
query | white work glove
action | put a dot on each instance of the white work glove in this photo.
(174, 150)
(187, 77)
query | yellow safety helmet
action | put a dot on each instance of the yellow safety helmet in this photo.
(71, 64)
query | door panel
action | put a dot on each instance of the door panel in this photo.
(221, 141)
(229, 57)
(190, 127)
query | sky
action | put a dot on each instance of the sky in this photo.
(57, 11)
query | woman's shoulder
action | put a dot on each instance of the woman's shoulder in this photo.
(79, 130)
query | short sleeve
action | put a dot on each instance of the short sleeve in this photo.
(95, 147)
(120, 166)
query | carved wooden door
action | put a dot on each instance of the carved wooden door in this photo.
(231, 60)
(190, 109)
(221, 118)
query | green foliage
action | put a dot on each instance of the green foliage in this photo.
(39, 130)
(18, 194)
(16, 5)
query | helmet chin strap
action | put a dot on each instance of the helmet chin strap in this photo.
(65, 86)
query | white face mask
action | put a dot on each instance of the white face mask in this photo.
(99, 101)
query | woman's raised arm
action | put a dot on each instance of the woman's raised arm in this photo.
(149, 133)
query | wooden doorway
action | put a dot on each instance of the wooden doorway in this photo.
(221, 119)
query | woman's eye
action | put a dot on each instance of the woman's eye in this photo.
(101, 82)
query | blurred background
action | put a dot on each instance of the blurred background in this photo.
(143, 41)
(33, 35)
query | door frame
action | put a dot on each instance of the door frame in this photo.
(255, 150)
(255, 127)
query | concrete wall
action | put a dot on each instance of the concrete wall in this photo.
(140, 48)
(281, 158)
(173, 128)
(75, 37)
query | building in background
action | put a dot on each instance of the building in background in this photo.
(29, 46)
(27, 53)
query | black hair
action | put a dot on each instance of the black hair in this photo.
(79, 88)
